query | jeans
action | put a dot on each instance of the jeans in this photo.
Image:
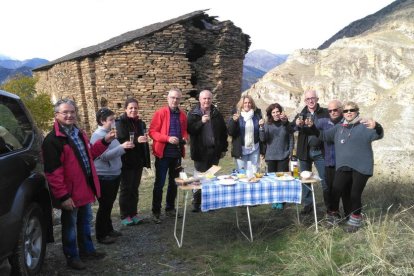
(128, 194)
(76, 231)
(306, 165)
(162, 166)
(252, 157)
(109, 190)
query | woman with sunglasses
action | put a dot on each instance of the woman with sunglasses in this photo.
(354, 159)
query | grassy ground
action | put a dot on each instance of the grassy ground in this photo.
(214, 246)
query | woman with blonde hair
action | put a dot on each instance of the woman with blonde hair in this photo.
(243, 127)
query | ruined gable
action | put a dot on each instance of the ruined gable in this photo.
(192, 53)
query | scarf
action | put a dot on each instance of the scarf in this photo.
(249, 128)
(356, 120)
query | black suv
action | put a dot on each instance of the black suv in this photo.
(25, 205)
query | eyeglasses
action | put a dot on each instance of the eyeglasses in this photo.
(350, 110)
(311, 99)
(333, 110)
(66, 113)
(175, 98)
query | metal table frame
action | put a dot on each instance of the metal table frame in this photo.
(190, 187)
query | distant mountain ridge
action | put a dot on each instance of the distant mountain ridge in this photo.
(10, 68)
(257, 63)
(374, 68)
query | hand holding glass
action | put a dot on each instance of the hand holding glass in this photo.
(113, 128)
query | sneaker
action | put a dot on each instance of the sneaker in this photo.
(353, 224)
(76, 263)
(127, 221)
(307, 210)
(333, 218)
(156, 218)
(92, 256)
(172, 213)
(278, 206)
(115, 233)
(136, 220)
(107, 240)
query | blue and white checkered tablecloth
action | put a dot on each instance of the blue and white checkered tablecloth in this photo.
(267, 190)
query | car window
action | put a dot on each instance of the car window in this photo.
(16, 131)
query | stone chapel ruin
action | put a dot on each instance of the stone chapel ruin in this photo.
(191, 52)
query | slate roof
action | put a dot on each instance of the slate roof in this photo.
(120, 40)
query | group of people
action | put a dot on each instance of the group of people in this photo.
(336, 140)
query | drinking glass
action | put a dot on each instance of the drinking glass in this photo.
(113, 128)
(131, 136)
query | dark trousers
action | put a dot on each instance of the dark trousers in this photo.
(162, 166)
(327, 195)
(109, 190)
(202, 166)
(128, 194)
(278, 165)
(351, 182)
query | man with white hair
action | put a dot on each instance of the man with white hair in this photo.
(208, 137)
(309, 148)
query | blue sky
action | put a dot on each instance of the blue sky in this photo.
(53, 28)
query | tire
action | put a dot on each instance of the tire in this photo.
(30, 251)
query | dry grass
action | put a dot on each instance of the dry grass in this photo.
(214, 246)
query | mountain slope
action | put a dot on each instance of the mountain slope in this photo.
(257, 63)
(374, 69)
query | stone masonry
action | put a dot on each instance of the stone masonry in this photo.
(192, 52)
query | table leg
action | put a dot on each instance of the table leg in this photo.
(250, 225)
(180, 242)
(314, 208)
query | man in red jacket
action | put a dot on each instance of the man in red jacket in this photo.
(69, 169)
(168, 130)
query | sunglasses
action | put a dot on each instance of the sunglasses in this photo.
(333, 110)
(350, 110)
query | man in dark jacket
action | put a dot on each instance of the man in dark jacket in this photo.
(208, 137)
(70, 171)
(310, 148)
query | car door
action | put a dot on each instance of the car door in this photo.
(17, 156)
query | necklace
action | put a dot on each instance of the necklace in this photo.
(343, 140)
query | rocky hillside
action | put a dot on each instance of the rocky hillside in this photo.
(374, 68)
(257, 63)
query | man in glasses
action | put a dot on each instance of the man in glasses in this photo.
(335, 110)
(309, 147)
(168, 129)
(70, 171)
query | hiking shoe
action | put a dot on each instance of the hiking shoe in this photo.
(353, 224)
(92, 256)
(107, 240)
(76, 263)
(136, 220)
(156, 218)
(333, 218)
(172, 213)
(115, 233)
(127, 221)
(307, 210)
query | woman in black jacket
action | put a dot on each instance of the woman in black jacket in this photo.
(134, 160)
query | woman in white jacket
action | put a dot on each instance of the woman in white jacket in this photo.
(108, 166)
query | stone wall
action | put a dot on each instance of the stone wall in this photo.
(186, 55)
